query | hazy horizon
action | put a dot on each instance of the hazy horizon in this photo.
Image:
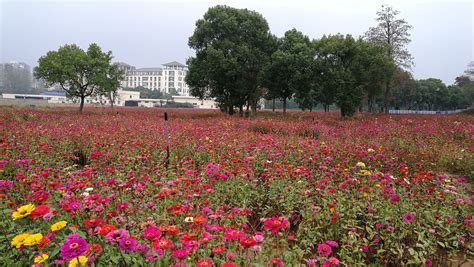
(150, 33)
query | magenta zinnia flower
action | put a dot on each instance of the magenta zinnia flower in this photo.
(331, 262)
(74, 247)
(116, 235)
(152, 233)
(324, 249)
(179, 254)
(127, 244)
(408, 218)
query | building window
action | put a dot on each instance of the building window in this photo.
(170, 72)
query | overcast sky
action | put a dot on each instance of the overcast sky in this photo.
(150, 33)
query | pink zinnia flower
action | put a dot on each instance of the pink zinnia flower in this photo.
(233, 234)
(152, 233)
(324, 249)
(409, 218)
(331, 262)
(74, 247)
(116, 235)
(128, 244)
(179, 254)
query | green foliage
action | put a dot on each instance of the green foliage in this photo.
(80, 73)
(232, 46)
(290, 70)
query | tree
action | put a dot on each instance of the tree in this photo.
(392, 32)
(109, 84)
(80, 73)
(337, 55)
(403, 90)
(374, 70)
(232, 46)
(290, 70)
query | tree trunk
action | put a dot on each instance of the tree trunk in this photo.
(231, 110)
(81, 107)
(241, 110)
(284, 105)
(254, 107)
(273, 107)
(385, 97)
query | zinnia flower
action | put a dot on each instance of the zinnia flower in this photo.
(409, 218)
(41, 258)
(23, 211)
(152, 233)
(324, 249)
(331, 262)
(40, 211)
(274, 224)
(204, 263)
(248, 242)
(74, 247)
(116, 235)
(233, 234)
(32, 240)
(18, 240)
(79, 261)
(58, 226)
(128, 244)
(179, 254)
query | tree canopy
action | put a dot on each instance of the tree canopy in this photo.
(232, 47)
(79, 73)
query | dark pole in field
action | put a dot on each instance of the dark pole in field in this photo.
(167, 140)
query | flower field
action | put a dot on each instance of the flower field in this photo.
(307, 189)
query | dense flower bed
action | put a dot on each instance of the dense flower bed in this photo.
(305, 189)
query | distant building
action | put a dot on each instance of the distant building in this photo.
(169, 79)
(15, 76)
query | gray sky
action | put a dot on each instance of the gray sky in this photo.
(150, 33)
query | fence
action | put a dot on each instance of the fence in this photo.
(401, 111)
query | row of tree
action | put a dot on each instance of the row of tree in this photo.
(238, 61)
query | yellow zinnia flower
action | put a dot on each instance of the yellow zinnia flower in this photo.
(79, 261)
(18, 240)
(58, 226)
(41, 258)
(23, 211)
(33, 239)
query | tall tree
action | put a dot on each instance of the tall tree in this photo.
(338, 56)
(80, 73)
(374, 70)
(393, 32)
(232, 47)
(290, 70)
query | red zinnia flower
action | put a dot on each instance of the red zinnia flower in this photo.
(105, 229)
(248, 242)
(40, 211)
(204, 263)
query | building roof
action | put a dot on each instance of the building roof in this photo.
(55, 93)
(174, 63)
(148, 69)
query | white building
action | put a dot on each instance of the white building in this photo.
(169, 79)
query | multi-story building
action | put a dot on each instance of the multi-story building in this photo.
(146, 77)
(15, 76)
(169, 79)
